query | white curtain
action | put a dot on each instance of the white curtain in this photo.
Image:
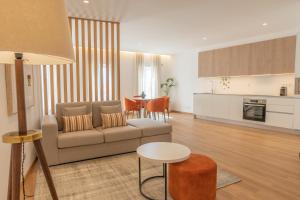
(147, 73)
(155, 75)
(139, 74)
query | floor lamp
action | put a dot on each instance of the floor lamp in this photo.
(37, 33)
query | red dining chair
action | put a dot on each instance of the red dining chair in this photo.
(167, 104)
(156, 106)
(132, 106)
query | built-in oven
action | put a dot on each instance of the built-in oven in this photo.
(254, 109)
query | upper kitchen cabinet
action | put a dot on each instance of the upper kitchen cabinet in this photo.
(268, 57)
(260, 58)
(240, 60)
(222, 61)
(206, 66)
(283, 55)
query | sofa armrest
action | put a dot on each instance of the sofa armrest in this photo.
(49, 140)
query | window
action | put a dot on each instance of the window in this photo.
(147, 81)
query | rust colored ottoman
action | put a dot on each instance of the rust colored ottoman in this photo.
(193, 179)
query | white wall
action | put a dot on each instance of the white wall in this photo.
(9, 123)
(185, 70)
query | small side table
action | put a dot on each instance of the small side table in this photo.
(162, 152)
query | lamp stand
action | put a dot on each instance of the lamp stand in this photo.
(16, 140)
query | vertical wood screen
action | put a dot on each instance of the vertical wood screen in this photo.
(95, 74)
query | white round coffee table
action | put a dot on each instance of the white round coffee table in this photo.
(162, 152)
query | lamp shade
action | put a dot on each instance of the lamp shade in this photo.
(38, 29)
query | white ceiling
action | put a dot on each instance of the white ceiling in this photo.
(170, 26)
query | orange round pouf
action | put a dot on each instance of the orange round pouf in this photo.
(193, 179)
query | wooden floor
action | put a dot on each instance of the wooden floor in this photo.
(266, 161)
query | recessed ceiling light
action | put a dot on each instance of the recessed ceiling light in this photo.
(204, 38)
(86, 1)
(265, 24)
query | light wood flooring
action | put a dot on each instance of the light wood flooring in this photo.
(267, 162)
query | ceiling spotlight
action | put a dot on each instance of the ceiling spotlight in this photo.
(265, 24)
(86, 1)
(204, 38)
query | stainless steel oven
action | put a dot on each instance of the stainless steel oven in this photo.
(254, 109)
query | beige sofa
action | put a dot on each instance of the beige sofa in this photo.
(62, 147)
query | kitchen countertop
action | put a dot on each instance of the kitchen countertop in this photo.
(249, 95)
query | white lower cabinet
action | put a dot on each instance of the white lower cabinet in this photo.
(297, 115)
(202, 105)
(236, 108)
(220, 106)
(283, 120)
(281, 112)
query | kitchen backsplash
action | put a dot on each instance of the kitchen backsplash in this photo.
(260, 85)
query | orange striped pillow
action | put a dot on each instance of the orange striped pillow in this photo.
(113, 120)
(77, 123)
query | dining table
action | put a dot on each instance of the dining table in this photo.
(143, 102)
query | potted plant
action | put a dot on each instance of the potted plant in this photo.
(166, 86)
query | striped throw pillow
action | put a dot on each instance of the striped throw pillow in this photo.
(113, 120)
(77, 123)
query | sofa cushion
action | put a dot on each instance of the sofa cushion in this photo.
(113, 120)
(150, 127)
(96, 107)
(73, 111)
(111, 109)
(80, 138)
(77, 123)
(61, 109)
(120, 133)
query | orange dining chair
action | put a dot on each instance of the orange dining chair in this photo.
(167, 104)
(132, 106)
(156, 106)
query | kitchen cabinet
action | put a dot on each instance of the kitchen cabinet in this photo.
(221, 61)
(240, 60)
(260, 58)
(282, 120)
(283, 55)
(267, 57)
(206, 66)
(202, 105)
(281, 112)
(220, 108)
(236, 108)
(297, 115)
(297, 59)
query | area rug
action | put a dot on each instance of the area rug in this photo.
(109, 178)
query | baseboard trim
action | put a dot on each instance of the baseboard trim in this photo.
(250, 125)
(177, 111)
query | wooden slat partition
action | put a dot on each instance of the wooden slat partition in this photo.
(95, 73)
(90, 60)
(71, 68)
(107, 60)
(52, 89)
(65, 83)
(77, 60)
(83, 59)
(112, 33)
(58, 84)
(101, 62)
(45, 94)
(95, 61)
(118, 63)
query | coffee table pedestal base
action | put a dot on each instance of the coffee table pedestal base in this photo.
(153, 177)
